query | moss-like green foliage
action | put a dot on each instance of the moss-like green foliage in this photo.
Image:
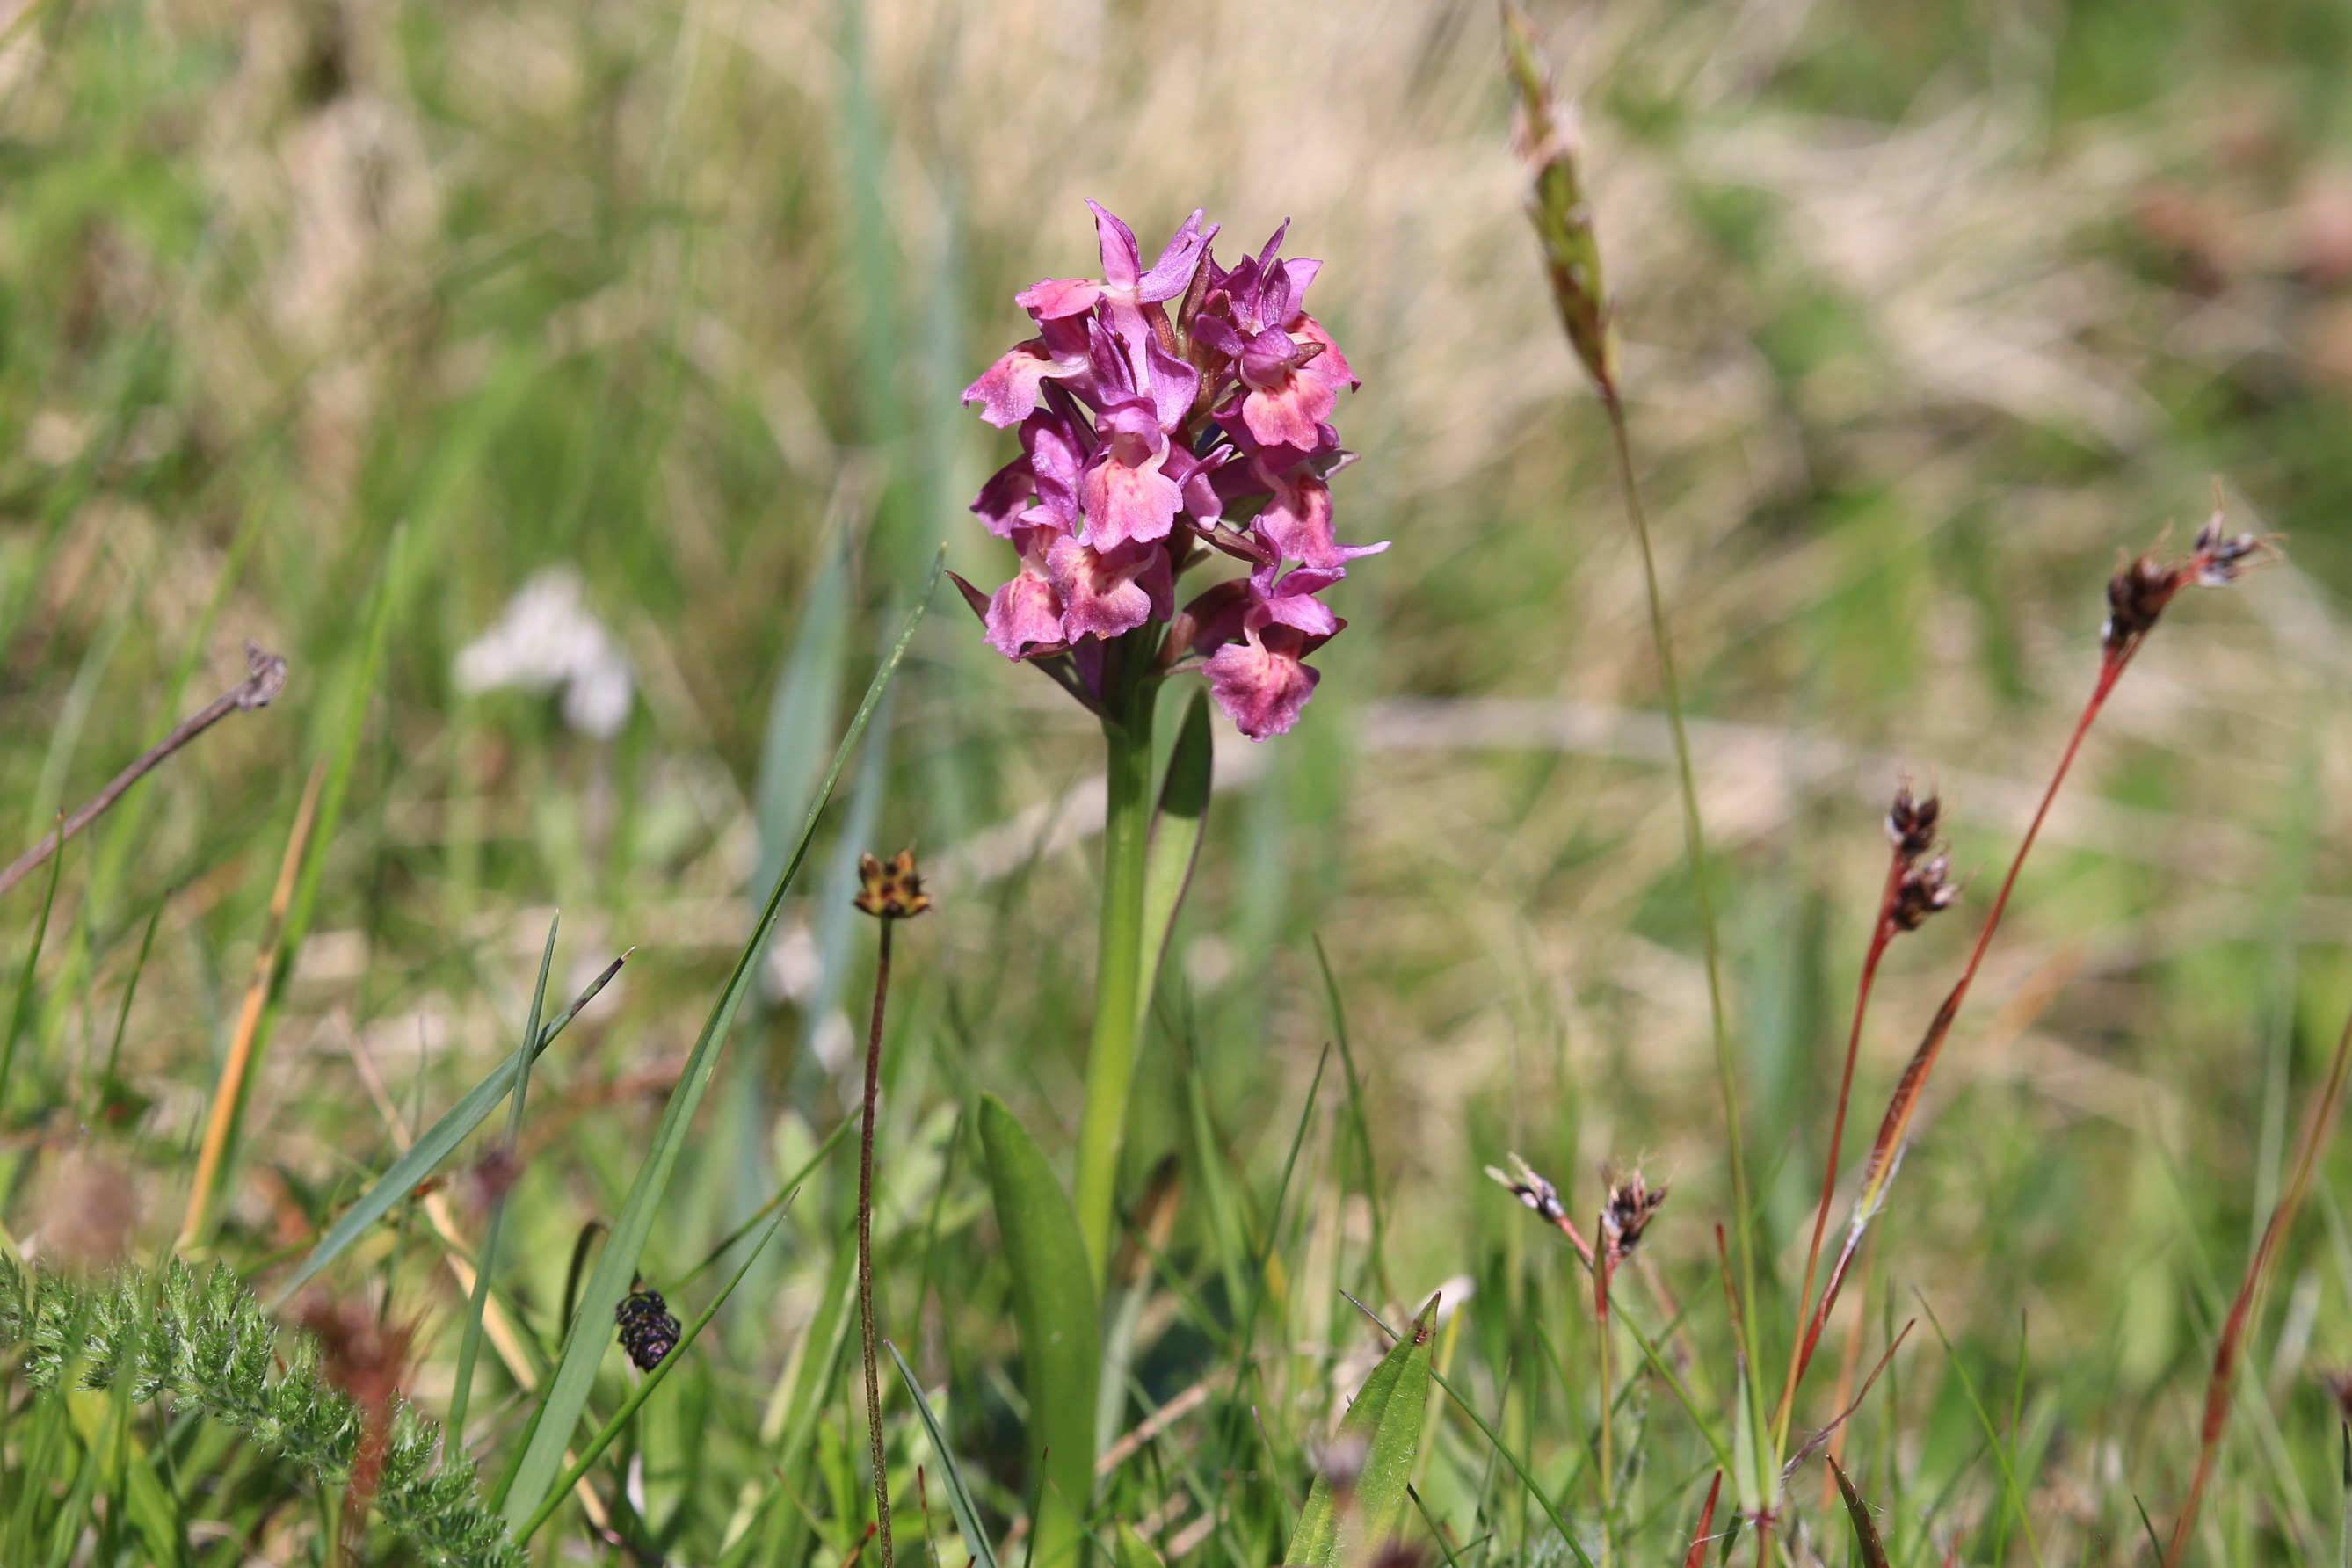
(205, 1343)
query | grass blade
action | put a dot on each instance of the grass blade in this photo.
(434, 1147)
(966, 1512)
(1337, 1527)
(645, 1389)
(2220, 1386)
(1866, 1528)
(471, 1345)
(1053, 1303)
(585, 1344)
(21, 1013)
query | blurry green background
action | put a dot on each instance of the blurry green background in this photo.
(1929, 310)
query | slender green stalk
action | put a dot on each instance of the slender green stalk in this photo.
(470, 1348)
(1119, 961)
(1694, 839)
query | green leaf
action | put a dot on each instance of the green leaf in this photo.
(1866, 1528)
(434, 1147)
(566, 1393)
(1384, 1426)
(966, 1512)
(1175, 840)
(806, 705)
(1054, 1305)
(1134, 1551)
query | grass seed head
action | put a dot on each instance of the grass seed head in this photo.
(1551, 143)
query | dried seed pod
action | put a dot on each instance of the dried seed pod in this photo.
(648, 1332)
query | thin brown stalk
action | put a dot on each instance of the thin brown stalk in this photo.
(1882, 932)
(2219, 1389)
(1835, 1430)
(1847, 1366)
(266, 678)
(1886, 1150)
(230, 1091)
(1605, 1266)
(866, 1245)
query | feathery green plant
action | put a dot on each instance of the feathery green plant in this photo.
(204, 1344)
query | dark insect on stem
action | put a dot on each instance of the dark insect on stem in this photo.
(649, 1332)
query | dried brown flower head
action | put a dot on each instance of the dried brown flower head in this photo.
(891, 888)
(1921, 892)
(1632, 1205)
(2138, 594)
(1911, 823)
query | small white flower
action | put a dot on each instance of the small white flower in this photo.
(548, 638)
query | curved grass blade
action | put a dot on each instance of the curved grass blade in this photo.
(1053, 1303)
(1866, 1528)
(21, 1011)
(645, 1389)
(1340, 1527)
(567, 1392)
(966, 1512)
(434, 1147)
(470, 1346)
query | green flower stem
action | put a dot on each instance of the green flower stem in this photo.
(1121, 962)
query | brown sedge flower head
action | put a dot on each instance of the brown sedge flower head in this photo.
(1632, 1204)
(1911, 823)
(2138, 594)
(1923, 885)
(1534, 1191)
(891, 890)
(1922, 890)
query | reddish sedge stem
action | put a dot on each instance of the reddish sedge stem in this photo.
(866, 1245)
(1881, 935)
(1896, 1124)
(1698, 1555)
(2225, 1354)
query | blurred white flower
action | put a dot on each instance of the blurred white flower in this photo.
(546, 639)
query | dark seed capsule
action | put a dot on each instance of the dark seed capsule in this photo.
(648, 1332)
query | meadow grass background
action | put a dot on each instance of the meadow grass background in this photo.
(310, 309)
